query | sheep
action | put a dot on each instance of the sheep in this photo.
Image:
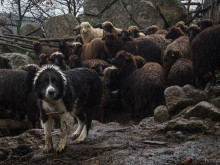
(77, 28)
(88, 33)
(151, 30)
(92, 50)
(43, 59)
(39, 48)
(181, 73)
(143, 47)
(142, 89)
(182, 26)
(78, 39)
(179, 48)
(110, 100)
(4, 63)
(154, 30)
(96, 64)
(206, 53)
(140, 61)
(125, 35)
(133, 30)
(98, 25)
(57, 58)
(205, 23)
(14, 91)
(174, 33)
(66, 49)
(193, 31)
(108, 27)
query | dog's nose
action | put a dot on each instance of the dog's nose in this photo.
(51, 92)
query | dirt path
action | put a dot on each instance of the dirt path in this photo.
(113, 143)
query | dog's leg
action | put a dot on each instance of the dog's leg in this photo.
(83, 134)
(78, 130)
(48, 135)
(67, 121)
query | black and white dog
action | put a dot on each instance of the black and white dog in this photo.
(67, 94)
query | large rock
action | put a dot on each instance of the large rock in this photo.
(178, 98)
(124, 13)
(32, 27)
(60, 26)
(161, 114)
(204, 110)
(17, 59)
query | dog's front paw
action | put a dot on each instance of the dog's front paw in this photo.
(60, 148)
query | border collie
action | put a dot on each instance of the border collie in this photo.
(66, 94)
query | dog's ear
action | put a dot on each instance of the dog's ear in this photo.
(31, 72)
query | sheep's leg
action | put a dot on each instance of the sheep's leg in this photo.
(66, 122)
(48, 125)
(78, 130)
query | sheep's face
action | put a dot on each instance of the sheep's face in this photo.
(122, 58)
(134, 33)
(43, 59)
(174, 33)
(172, 56)
(107, 28)
(85, 28)
(125, 35)
(4, 63)
(110, 78)
(192, 32)
(36, 45)
(79, 39)
(57, 58)
(74, 62)
(109, 39)
(77, 48)
(151, 30)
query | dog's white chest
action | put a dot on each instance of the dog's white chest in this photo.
(54, 106)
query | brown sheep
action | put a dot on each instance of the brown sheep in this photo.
(39, 48)
(174, 33)
(181, 73)
(92, 50)
(154, 30)
(57, 58)
(89, 33)
(182, 26)
(43, 59)
(204, 23)
(133, 30)
(108, 27)
(193, 31)
(96, 64)
(142, 90)
(4, 63)
(140, 61)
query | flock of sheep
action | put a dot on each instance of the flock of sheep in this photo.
(134, 67)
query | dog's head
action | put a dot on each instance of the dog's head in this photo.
(49, 83)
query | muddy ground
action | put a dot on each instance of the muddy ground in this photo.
(114, 143)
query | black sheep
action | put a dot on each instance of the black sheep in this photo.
(4, 63)
(205, 23)
(142, 47)
(57, 58)
(142, 89)
(206, 53)
(181, 73)
(66, 49)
